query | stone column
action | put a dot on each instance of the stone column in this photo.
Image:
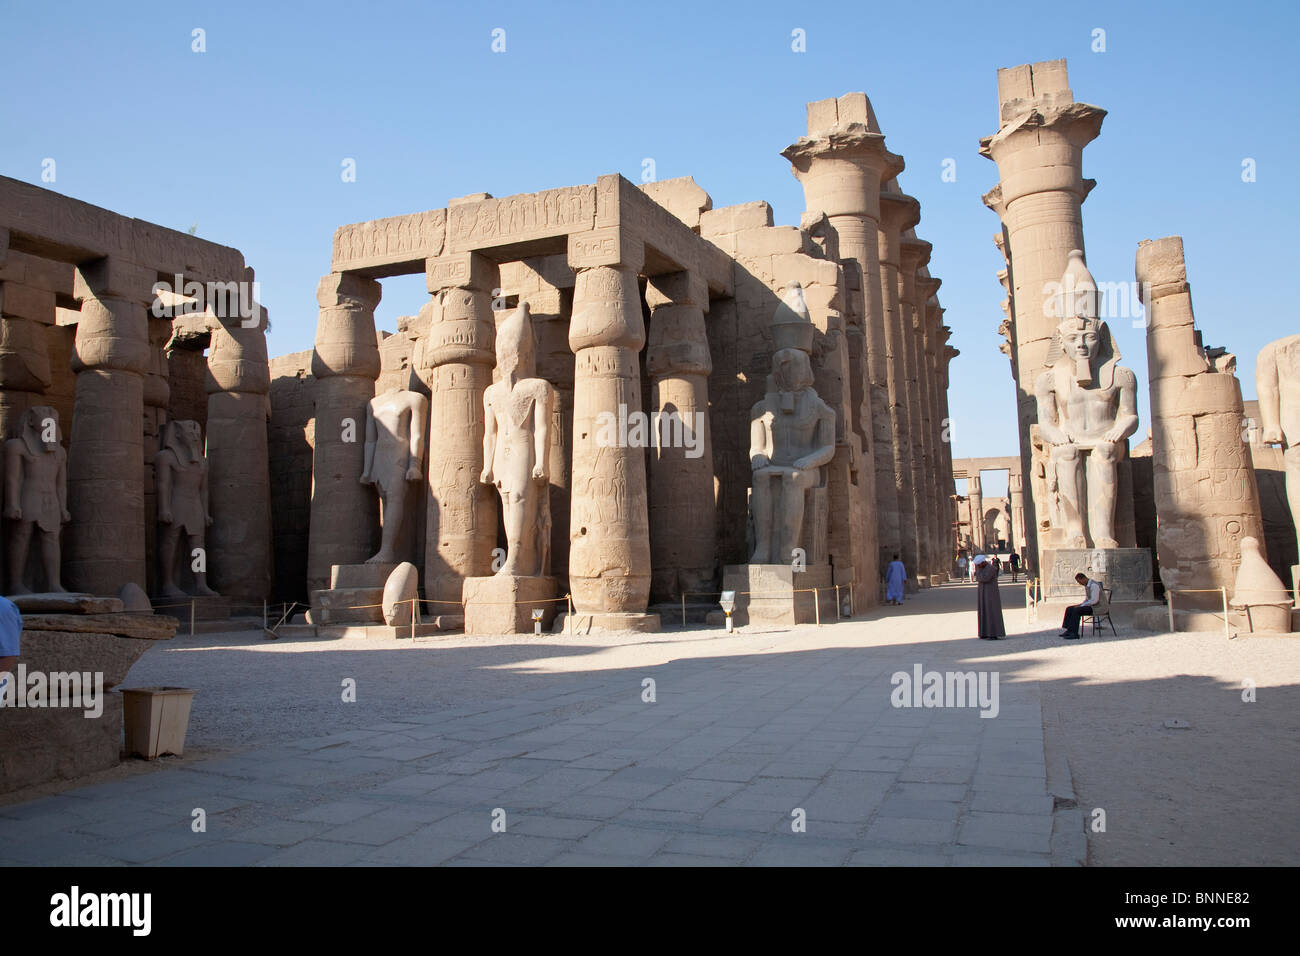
(157, 399)
(934, 444)
(922, 451)
(913, 254)
(950, 484)
(975, 501)
(239, 475)
(345, 363)
(682, 511)
(841, 165)
(459, 355)
(898, 213)
(1206, 496)
(106, 538)
(24, 359)
(609, 560)
(1039, 153)
(1016, 489)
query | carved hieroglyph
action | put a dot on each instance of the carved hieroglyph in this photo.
(791, 436)
(36, 496)
(394, 458)
(1277, 378)
(181, 472)
(1087, 409)
(516, 438)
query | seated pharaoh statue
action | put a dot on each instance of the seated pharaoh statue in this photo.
(1087, 409)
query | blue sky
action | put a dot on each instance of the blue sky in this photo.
(246, 140)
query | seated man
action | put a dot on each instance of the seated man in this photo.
(1073, 613)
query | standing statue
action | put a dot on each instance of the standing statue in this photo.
(791, 436)
(394, 453)
(516, 434)
(1277, 379)
(1087, 409)
(36, 496)
(181, 475)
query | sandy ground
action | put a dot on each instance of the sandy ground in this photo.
(1221, 791)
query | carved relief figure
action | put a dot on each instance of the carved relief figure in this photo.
(394, 456)
(36, 496)
(1087, 409)
(181, 472)
(516, 436)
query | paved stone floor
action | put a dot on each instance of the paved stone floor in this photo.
(734, 752)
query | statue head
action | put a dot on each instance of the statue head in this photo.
(41, 428)
(791, 370)
(516, 350)
(1087, 344)
(184, 438)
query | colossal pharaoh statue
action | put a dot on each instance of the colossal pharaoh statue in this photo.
(1087, 409)
(516, 435)
(181, 473)
(791, 436)
(1277, 379)
(36, 496)
(394, 457)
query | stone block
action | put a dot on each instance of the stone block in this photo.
(503, 603)
(777, 594)
(361, 575)
(351, 605)
(1126, 571)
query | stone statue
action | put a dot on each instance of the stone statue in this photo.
(394, 453)
(1087, 409)
(516, 434)
(791, 435)
(1277, 379)
(181, 476)
(36, 496)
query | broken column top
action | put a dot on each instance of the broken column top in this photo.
(1160, 267)
(1020, 88)
(840, 111)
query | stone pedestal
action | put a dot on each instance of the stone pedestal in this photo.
(503, 603)
(355, 595)
(777, 594)
(1126, 571)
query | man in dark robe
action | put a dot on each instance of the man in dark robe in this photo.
(988, 600)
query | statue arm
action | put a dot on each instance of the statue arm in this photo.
(203, 493)
(163, 476)
(418, 423)
(1048, 421)
(826, 451)
(13, 480)
(760, 441)
(489, 439)
(541, 433)
(369, 453)
(61, 485)
(1270, 404)
(1126, 422)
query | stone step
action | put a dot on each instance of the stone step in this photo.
(354, 605)
(360, 575)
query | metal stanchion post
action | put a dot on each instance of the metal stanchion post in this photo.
(817, 605)
(1169, 597)
(837, 602)
(192, 603)
(1224, 593)
(568, 600)
(683, 609)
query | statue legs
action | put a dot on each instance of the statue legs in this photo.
(19, 540)
(519, 513)
(778, 516)
(393, 507)
(168, 539)
(200, 577)
(1067, 463)
(1102, 461)
(51, 557)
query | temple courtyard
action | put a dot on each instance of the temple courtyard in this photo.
(762, 747)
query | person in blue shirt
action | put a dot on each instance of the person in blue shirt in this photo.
(11, 629)
(895, 575)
